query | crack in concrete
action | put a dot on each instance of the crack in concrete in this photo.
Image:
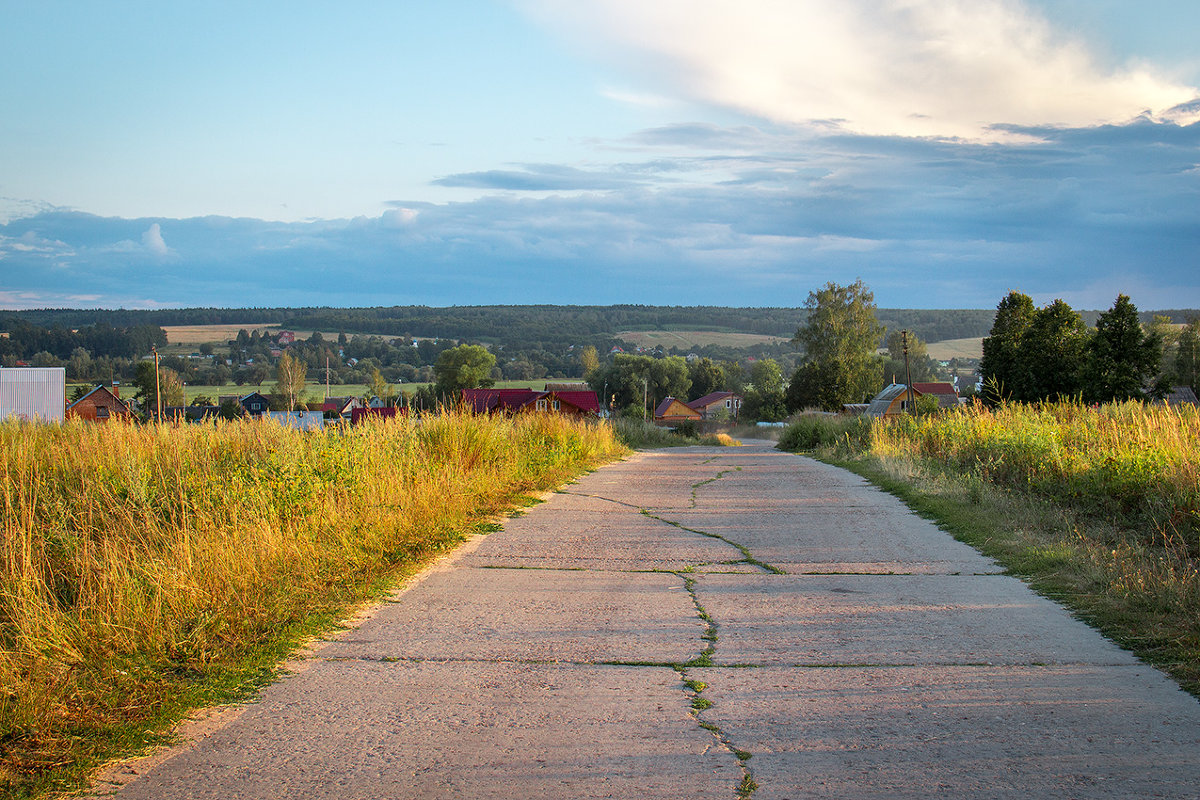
(693, 689)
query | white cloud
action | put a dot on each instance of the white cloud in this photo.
(152, 240)
(944, 68)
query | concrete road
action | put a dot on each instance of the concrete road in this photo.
(703, 623)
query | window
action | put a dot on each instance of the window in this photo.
(541, 405)
(556, 405)
(102, 412)
(729, 402)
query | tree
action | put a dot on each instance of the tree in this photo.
(1186, 371)
(589, 361)
(1122, 360)
(920, 366)
(841, 328)
(468, 366)
(380, 388)
(1001, 369)
(290, 376)
(818, 385)
(1052, 353)
(168, 384)
(765, 399)
(706, 376)
(629, 380)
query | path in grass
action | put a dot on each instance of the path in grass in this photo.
(705, 623)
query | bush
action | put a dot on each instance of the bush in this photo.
(811, 432)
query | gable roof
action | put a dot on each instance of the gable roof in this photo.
(105, 390)
(935, 387)
(709, 399)
(672, 407)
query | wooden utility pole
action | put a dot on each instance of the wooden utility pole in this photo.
(907, 375)
(157, 384)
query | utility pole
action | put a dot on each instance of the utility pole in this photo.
(157, 383)
(645, 393)
(907, 375)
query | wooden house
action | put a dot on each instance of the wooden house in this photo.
(672, 410)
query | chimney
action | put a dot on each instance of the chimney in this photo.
(116, 390)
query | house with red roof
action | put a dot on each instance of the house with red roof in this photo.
(946, 394)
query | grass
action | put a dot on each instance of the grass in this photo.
(1095, 508)
(639, 434)
(147, 570)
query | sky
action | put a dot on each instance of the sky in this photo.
(667, 152)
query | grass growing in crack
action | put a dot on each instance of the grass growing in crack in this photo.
(747, 787)
(701, 704)
(747, 556)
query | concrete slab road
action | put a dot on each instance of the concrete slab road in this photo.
(704, 623)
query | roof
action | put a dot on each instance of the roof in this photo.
(683, 410)
(106, 390)
(1181, 396)
(939, 387)
(879, 403)
(709, 399)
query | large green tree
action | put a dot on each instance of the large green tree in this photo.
(467, 366)
(765, 399)
(1002, 369)
(706, 376)
(628, 380)
(1122, 360)
(1052, 354)
(841, 328)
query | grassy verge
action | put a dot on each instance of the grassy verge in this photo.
(639, 434)
(145, 570)
(1093, 508)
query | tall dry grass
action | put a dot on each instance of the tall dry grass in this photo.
(134, 556)
(1136, 463)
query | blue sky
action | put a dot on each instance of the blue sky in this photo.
(646, 151)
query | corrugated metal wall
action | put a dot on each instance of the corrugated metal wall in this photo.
(33, 393)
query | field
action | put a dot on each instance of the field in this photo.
(686, 339)
(1096, 508)
(955, 348)
(148, 569)
(191, 335)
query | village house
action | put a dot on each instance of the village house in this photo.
(100, 405)
(254, 404)
(718, 405)
(672, 410)
(340, 407)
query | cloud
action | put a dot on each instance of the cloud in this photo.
(1079, 213)
(940, 68)
(538, 178)
(152, 240)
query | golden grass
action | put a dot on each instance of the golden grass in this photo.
(134, 557)
(955, 348)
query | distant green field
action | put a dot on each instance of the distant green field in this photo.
(686, 339)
